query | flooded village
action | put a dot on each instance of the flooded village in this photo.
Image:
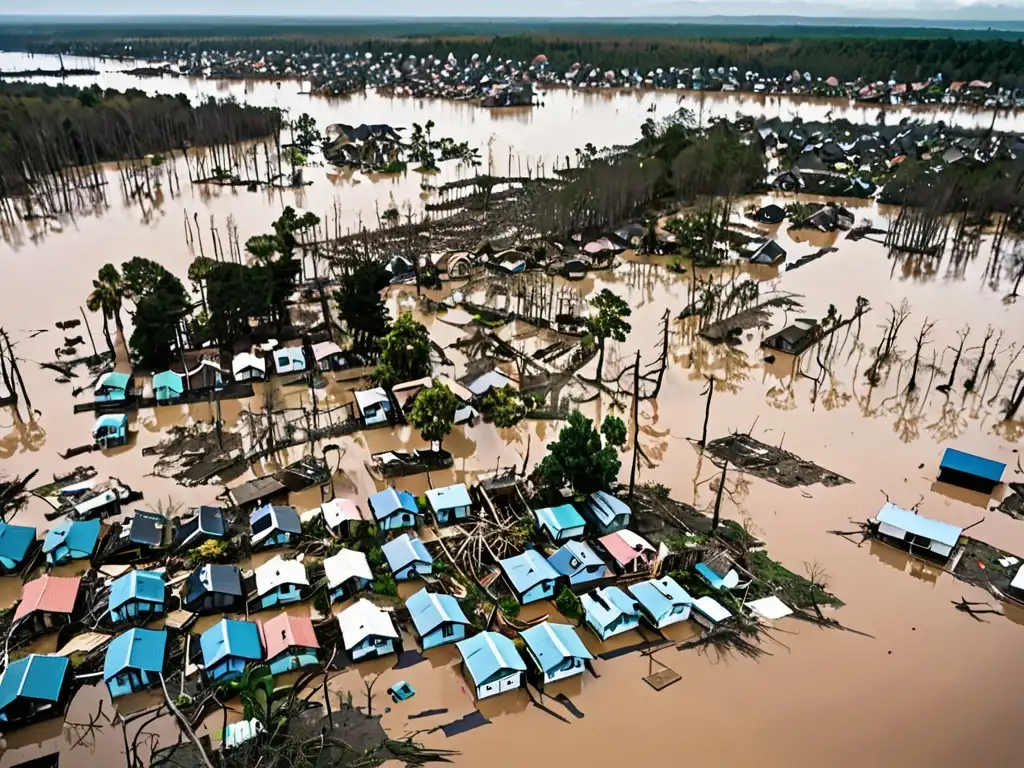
(418, 430)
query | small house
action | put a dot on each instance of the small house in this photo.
(481, 385)
(72, 540)
(492, 662)
(289, 643)
(343, 517)
(348, 572)
(920, 534)
(34, 688)
(556, 651)
(367, 631)
(438, 619)
(629, 552)
(531, 576)
(206, 525)
(143, 536)
(289, 360)
(110, 430)
(134, 661)
(16, 544)
(137, 595)
(227, 647)
(719, 573)
(969, 471)
(449, 504)
(328, 356)
(394, 510)
(770, 214)
(280, 581)
(579, 563)
(709, 613)
(610, 611)
(246, 366)
(606, 513)
(407, 558)
(214, 589)
(767, 253)
(47, 603)
(168, 386)
(374, 406)
(274, 526)
(406, 392)
(205, 375)
(662, 601)
(561, 523)
(112, 387)
(794, 339)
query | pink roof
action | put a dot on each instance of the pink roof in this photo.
(621, 550)
(285, 631)
(48, 593)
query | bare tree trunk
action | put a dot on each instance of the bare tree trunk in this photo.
(707, 412)
(718, 498)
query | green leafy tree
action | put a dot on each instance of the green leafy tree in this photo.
(254, 689)
(405, 350)
(361, 307)
(140, 277)
(607, 322)
(505, 407)
(157, 315)
(433, 412)
(262, 247)
(307, 135)
(198, 272)
(580, 459)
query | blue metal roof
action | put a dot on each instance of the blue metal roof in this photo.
(488, 655)
(582, 552)
(33, 677)
(148, 586)
(430, 611)
(911, 522)
(385, 503)
(142, 649)
(969, 464)
(449, 498)
(169, 380)
(560, 518)
(114, 380)
(606, 507)
(115, 420)
(15, 541)
(282, 518)
(79, 535)
(552, 644)
(211, 520)
(404, 550)
(527, 570)
(658, 596)
(228, 637)
(608, 604)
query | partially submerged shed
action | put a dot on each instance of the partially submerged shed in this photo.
(969, 471)
(227, 647)
(367, 631)
(921, 535)
(137, 595)
(34, 688)
(134, 661)
(407, 557)
(289, 643)
(348, 572)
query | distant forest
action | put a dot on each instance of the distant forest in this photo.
(847, 52)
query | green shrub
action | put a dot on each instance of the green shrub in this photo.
(569, 604)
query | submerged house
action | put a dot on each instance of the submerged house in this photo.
(206, 525)
(328, 356)
(610, 611)
(629, 551)
(374, 406)
(577, 561)
(919, 534)
(662, 601)
(531, 576)
(34, 688)
(16, 544)
(348, 572)
(408, 558)
(47, 603)
(246, 366)
(289, 360)
(137, 595)
(274, 526)
(606, 513)
(142, 536)
(343, 517)
(439, 619)
(1016, 589)
(280, 581)
(289, 642)
(708, 612)
(72, 540)
(214, 589)
(112, 388)
(168, 386)
(134, 661)
(719, 573)
(969, 471)
(556, 651)
(449, 504)
(394, 510)
(206, 375)
(794, 339)
(227, 647)
(768, 252)
(493, 663)
(367, 631)
(110, 430)
(561, 523)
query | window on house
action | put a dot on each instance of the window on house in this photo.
(574, 562)
(447, 630)
(381, 641)
(678, 608)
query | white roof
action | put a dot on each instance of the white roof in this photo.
(769, 607)
(346, 564)
(338, 511)
(277, 571)
(366, 398)
(634, 540)
(1018, 580)
(245, 360)
(492, 379)
(363, 620)
(457, 389)
(711, 608)
(326, 349)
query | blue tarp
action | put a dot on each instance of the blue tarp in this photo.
(145, 586)
(552, 644)
(969, 464)
(240, 639)
(430, 611)
(528, 570)
(33, 677)
(489, 653)
(142, 649)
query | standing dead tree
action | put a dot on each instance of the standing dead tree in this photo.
(709, 391)
(919, 344)
(970, 383)
(958, 353)
(898, 316)
(1016, 398)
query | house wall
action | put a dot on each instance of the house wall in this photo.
(566, 533)
(110, 396)
(678, 612)
(214, 603)
(293, 659)
(6, 564)
(539, 591)
(373, 646)
(375, 414)
(571, 666)
(617, 627)
(500, 685)
(398, 521)
(438, 637)
(413, 571)
(227, 669)
(452, 513)
(348, 588)
(135, 608)
(286, 593)
(129, 681)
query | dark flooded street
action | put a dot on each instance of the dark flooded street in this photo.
(917, 684)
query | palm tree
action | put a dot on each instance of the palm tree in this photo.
(106, 298)
(198, 272)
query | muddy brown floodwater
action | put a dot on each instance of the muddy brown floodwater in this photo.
(930, 686)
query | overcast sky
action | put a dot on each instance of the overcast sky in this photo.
(930, 9)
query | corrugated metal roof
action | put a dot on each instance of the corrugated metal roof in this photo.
(911, 522)
(115, 420)
(430, 611)
(448, 498)
(969, 464)
(363, 620)
(282, 518)
(142, 649)
(491, 380)
(148, 586)
(404, 550)
(15, 541)
(368, 398)
(560, 518)
(711, 608)
(385, 503)
(285, 631)
(80, 536)
(552, 644)
(488, 654)
(527, 570)
(54, 594)
(33, 677)
(277, 572)
(344, 565)
(225, 579)
(240, 639)
(659, 596)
